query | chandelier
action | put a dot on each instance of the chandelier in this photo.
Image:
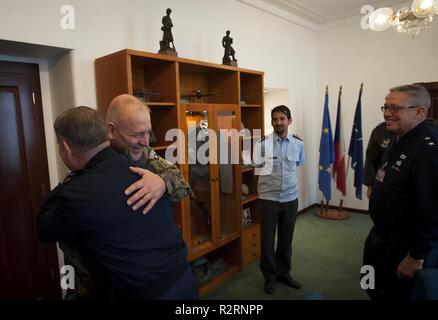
(406, 20)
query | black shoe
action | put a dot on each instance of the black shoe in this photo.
(289, 281)
(269, 286)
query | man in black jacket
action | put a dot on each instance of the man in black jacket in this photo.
(132, 256)
(404, 202)
(380, 139)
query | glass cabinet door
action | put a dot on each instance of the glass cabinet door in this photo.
(228, 159)
(198, 156)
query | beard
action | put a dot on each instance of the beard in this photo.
(279, 129)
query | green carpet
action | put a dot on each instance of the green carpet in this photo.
(327, 257)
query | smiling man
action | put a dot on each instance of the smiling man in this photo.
(404, 202)
(129, 256)
(129, 126)
(278, 194)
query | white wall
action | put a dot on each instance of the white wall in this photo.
(292, 57)
(284, 51)
(348, 56)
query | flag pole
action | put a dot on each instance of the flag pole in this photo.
(322, 210)
(335, 213)
(341, 201)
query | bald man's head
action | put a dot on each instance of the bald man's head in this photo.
(123, 107)
(129, 125)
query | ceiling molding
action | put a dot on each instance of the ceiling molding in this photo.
(312, 18)
(305, 10)
(355, 19)
(283, 14)
(341, 23)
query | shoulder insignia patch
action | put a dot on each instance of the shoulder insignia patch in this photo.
(297, 137)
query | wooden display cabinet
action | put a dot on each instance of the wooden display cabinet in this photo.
(186, 94)
(252, 118)
(216, 185)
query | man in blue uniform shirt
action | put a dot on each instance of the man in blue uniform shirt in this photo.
(280, 154)
(131, 255)
(403, 203)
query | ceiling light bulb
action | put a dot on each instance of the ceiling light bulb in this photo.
(381, 19)
(423, 8)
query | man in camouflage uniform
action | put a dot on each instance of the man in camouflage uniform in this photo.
(128, 130)
(379, 141)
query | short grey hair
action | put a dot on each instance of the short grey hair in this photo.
(417, 95)
(82, 127)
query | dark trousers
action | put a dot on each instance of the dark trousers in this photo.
(178, 285)
(186, 288)
(384, 255)
(275, 261)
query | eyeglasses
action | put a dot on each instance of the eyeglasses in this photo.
(395, 109)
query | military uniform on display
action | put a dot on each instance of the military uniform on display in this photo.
(404, 209)
(176, 189)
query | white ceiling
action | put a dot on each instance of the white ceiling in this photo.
(322, 12)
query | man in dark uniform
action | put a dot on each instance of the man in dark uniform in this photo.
(134, 255)
(377, 145)
(404, 202)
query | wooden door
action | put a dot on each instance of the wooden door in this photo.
(28, 268)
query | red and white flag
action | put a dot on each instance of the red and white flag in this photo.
(339, 144)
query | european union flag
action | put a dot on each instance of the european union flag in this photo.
(356, 149)
(326, 153)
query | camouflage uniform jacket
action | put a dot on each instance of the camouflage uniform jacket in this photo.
(176, 187)
(379, 141)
